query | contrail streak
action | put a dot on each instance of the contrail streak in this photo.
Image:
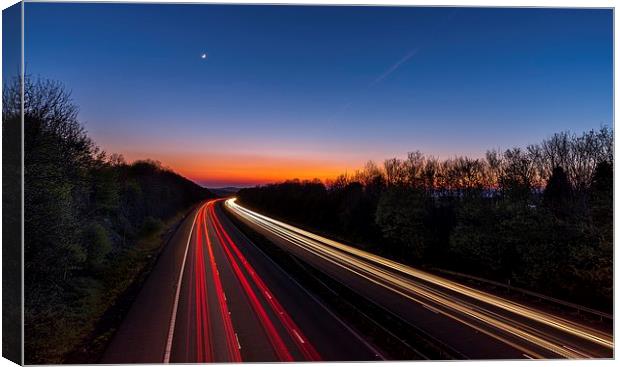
(394, 67)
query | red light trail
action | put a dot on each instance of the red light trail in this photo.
(276, 341)
(208, 314)
(234, 353)
(294, 331)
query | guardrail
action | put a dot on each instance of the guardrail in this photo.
(578, 308)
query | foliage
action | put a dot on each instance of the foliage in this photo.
(84, 211)
(540, 216)
(401, 215)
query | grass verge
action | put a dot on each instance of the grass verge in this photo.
(110, 302)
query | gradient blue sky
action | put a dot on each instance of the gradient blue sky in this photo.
(312, 91)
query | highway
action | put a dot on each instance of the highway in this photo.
(472, 323)
(214, 296)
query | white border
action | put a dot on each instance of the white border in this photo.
(474, 3)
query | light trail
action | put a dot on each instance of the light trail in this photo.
(398, 278)
(175, 305)
(204, 349)
(190, 291)
(369, 277)
(294, 331)
(232, 342)
(275, 339)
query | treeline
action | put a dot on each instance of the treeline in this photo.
(540, 216)
(85, 211)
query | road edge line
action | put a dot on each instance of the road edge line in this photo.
(175, 306)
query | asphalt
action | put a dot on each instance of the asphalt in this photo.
(141, 337)
(472, 324)
(234, 304)
(214, 296)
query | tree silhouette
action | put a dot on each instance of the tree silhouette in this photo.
(540, 216)
(83, 215)
(557, 194)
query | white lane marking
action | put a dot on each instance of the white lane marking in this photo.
(175, 306)
(526, 356)
(298, 336)
(576, 351)
(431, 308)
(313, 297)
(270, 225)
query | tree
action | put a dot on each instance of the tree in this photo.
(401, 215)
(11, 221)
(601, 190)
(395, 174)
(601, 200)
(79, 208)
(57, 158)
(540, 216)
(557, 194)
(477, 239)
(98, 246)
(516, 181)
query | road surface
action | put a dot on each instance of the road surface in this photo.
(473, 323)
(213, 296)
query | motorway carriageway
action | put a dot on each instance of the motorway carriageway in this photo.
(474, 323)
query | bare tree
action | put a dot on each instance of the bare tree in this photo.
(395, 174)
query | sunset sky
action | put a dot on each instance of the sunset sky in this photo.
(315, 91)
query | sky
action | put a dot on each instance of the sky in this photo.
(304, 92)
(11, 42)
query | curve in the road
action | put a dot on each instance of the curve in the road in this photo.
(225, 303)
(532, 332)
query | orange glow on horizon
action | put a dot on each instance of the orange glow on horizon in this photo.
(248, 170)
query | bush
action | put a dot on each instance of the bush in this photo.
(150, 226)
(540, 216)
(98, 246)
(80, 205)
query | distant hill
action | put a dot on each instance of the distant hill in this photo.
(224, 191)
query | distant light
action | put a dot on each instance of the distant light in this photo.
(203, 56)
